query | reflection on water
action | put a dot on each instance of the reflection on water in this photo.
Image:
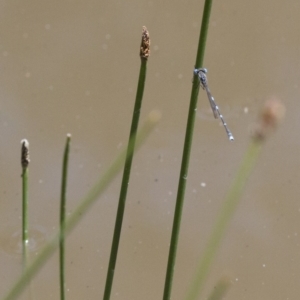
(11, 240)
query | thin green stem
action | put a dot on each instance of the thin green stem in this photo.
(62, 218)
(81, 209)
(25, 216)
(125, 183)
(186, 155)
(226, 213)
(203, 33)
(25, 162)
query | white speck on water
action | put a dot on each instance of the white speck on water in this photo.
(246, 110)
(140, 242)
(27, 74)
(170, 193)
(25, 35)
(104, 46)
(87, 93)
(155, 48)
(194, 191)
(203, 184)
(5, 53)
(51, 87)
(108, 36)
(41, 181)
(180, 76)
(236, 279)
(119, 145)
(264, 265)
(47, 26)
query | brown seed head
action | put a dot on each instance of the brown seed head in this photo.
(145, 44)
(25, 154)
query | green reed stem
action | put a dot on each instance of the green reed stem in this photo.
(81, 209)
(125, 183)
(186, 154)
(25, 216)
(25, 163)
(203, 36)
(63, 217)
(231, 201)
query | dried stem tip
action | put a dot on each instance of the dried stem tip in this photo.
(145, 44)
(271, 115)
(25, 154)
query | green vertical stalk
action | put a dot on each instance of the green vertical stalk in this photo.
(63, 217)
(25, 162)
(25, 216)
(80, 210)
(270, 117)
(127, 168)
(186, 154)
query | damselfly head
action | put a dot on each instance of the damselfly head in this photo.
(203, 70)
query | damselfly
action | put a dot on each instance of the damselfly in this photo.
(201, 73)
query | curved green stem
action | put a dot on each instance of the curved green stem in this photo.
(81, 209)
(226, 213)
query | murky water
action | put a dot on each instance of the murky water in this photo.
(72, 67)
